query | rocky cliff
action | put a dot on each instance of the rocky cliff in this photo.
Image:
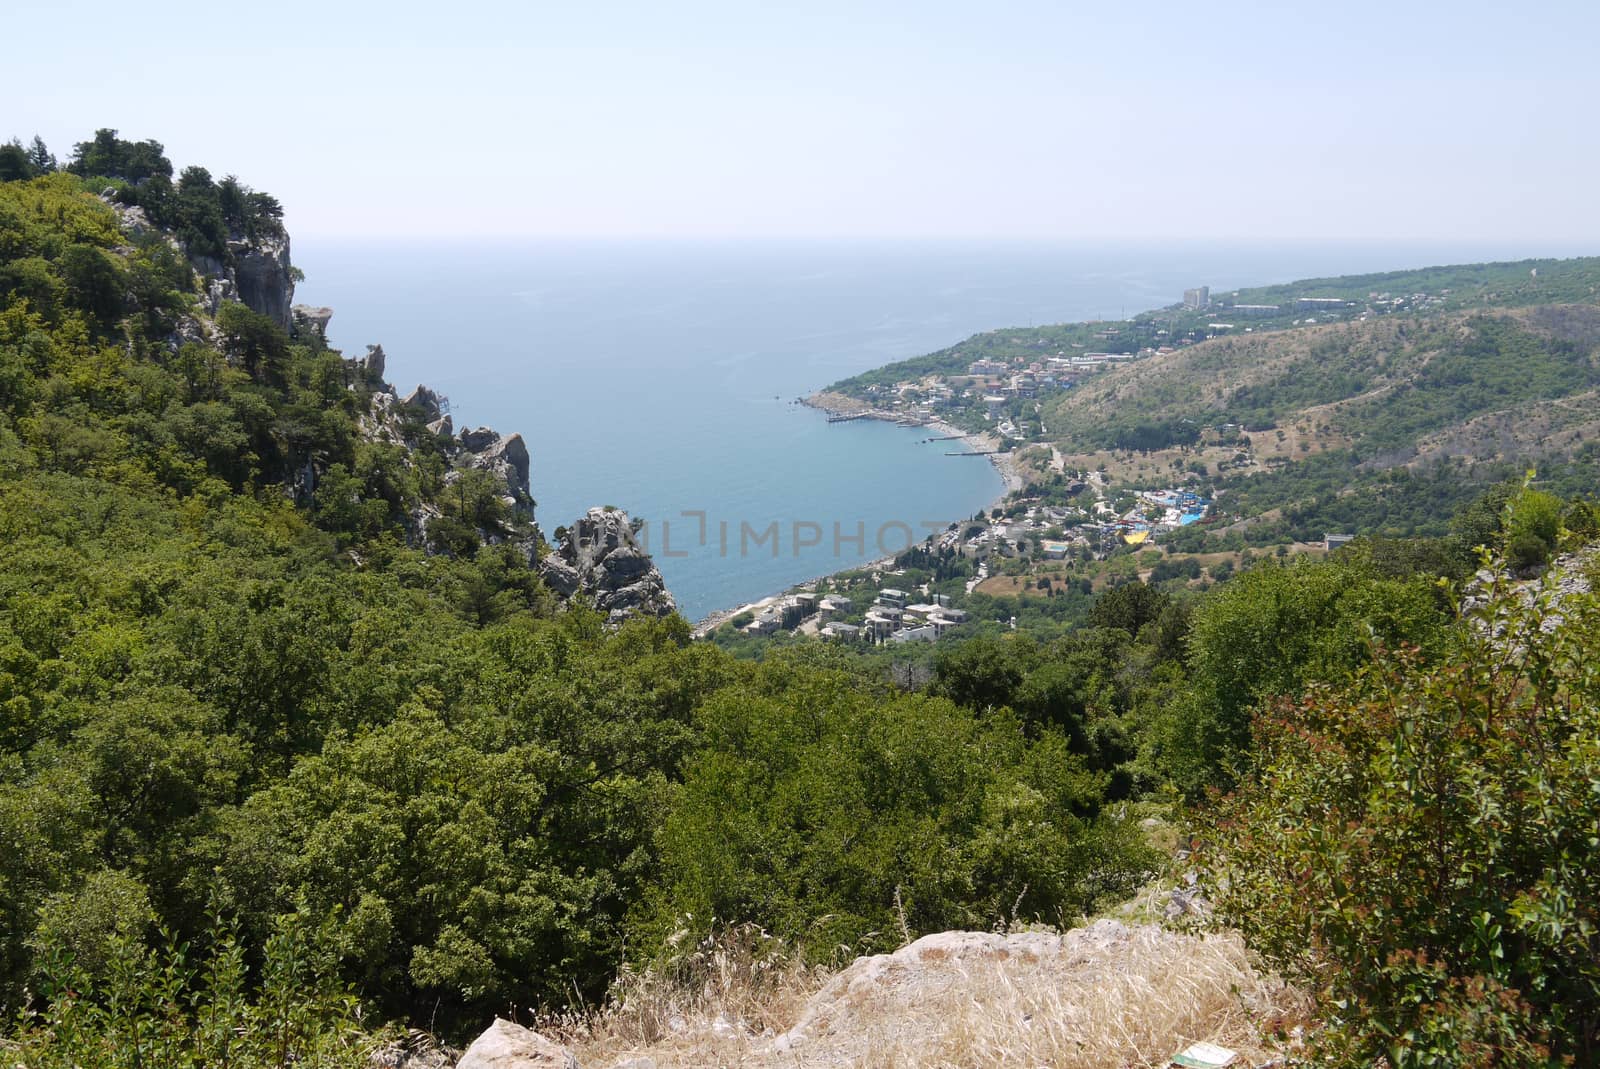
(256, 273)
(405, 421)
(596, 560)
(599, 559)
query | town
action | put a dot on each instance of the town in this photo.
(1030, 532)
(991, 383)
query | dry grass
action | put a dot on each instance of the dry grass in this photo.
(700, 1008)
(1102, 996)
(1148, 1001)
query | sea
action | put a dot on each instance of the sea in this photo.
(661, 377)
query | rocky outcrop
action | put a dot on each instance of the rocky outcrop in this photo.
(506, 457)
(367, 369)
(265, 277)
(505, 1045)
(394, 420)
(257, 273)
(311, 320)
(936, 962)
(432, 405)
(130, 217)
(1107, 994)
(1104, 994)
(599, 559)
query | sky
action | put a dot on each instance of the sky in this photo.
(1052, 120)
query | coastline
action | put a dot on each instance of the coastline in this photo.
(837, 404)
(714, 620)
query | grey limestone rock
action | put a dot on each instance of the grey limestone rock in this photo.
(477, 439)
(504, 1045)
(506, 457)
(265, 277)
(373, 363)
(425, 399)
(258, 273)
(312, 319)
(599, 559)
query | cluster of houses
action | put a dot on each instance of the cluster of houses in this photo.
(888, 619)
(1154, 511)
(790, 612)
(1316, 309)
(999, 383)
(994, 383)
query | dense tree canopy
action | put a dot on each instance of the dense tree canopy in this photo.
(234, 689)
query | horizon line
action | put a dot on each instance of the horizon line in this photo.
(997, 239)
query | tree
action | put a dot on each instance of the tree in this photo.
(1532, 528)
(108, 156)
(40, 157)
(1129, 607)
(1272, 630)
(145, 159)
(14, 164)
(817, 813)
(231, 199)
(95, 281)
(982, 673)
(255, 341)
(198, 210)
(102, 155)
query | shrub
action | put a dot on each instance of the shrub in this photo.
(1422, 845)
(173, 1008)
(1533, 527)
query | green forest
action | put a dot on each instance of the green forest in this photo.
(279, 774)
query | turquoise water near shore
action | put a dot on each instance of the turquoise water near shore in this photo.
(660, 376)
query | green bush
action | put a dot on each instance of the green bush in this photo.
(1532, 528)
(177, 1009)
(1269, 631)
(836, 817)
(1423, 846)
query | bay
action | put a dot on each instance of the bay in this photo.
(660, 377)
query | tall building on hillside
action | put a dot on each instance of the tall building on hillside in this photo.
(1199, 297)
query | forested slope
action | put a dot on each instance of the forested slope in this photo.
(240, 678)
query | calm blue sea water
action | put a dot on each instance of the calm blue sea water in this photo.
(659, 376)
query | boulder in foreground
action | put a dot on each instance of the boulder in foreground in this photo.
(505, 1045)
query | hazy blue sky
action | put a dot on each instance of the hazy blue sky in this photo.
(1052, 119)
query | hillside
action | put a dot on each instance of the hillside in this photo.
(302, 714)
(1385, 387)
(1420, 389)
(1404, 293)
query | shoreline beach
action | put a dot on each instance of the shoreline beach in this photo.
(832, 404)
(838, 404)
